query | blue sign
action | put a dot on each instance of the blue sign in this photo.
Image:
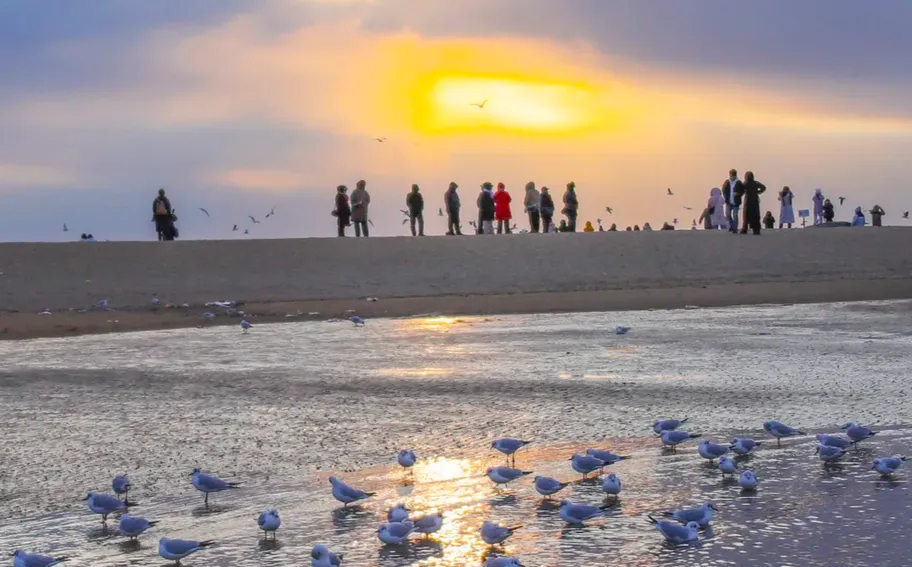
(804, 213)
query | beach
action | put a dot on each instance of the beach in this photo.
(318, 278)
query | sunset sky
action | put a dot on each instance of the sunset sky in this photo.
(242, 105)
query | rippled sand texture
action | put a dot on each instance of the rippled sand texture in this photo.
(284, 407)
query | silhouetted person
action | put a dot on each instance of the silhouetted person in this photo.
(532, 203)
(733, 191)
(163, 217)
(343, 210)
(752, 191)
(360, 202)
(769, 221)
(571, 206)
(877, 214)
(451, 201)
(547, 210)
(502, 212)
(414, 201)
(485, 204)
(829, 212)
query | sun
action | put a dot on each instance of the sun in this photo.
(507, 104)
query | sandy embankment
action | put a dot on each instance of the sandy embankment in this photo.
(448, 275)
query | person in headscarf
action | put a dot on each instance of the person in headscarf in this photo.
(360, 199)
(733, 191)
(769, 221)
(877, 214)
(564, 227)
(451, 201)
(667, 226)
(588, 227)
(547, 210)
(502, 213)
(716, 206)
(343, 211)
(486, 209)
(752, 191)
(829, 211)
(786, 210)
(163, 217)
(647, 226)
(571, 206)
(636, 228)
(613, 228)
(532, 202)
(818, 206)
(859, 219)
(706, 219)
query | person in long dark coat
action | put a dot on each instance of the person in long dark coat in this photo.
(163, 217)
(343, 210)
(752, 191)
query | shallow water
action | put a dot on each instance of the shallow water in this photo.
(286, 406)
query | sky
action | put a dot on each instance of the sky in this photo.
(239, 106)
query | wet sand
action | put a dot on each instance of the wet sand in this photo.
(284, 407)
(281, 280)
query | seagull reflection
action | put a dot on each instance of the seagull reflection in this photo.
(347, 519)
(503, 500)
(410, 553)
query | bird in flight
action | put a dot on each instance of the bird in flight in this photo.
(480, 104)
(609, 209)
(686, 208)
(674, 221)
(270, 213)
(381, 140)
(253, 219)
(65, 229)
(439, 212)
(693, 222)
(246, 231)
(841, 200)
(473, 224)
(205, 211)
(234, 229)
(906, 215)
(404, 221)
(404, 212)
(670, 192)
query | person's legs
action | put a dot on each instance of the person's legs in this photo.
(756, 225)
(546, 224)
(536, 221)
(341, 222)
(358, 229)
(507, 228)
(412, 219)
(571, 222)
(488, 227)
(450, 230)
(456, 228)
(420, 224)
(364, 229)
(500, 226)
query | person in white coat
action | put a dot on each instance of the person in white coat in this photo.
(786, 210)
(716, 206)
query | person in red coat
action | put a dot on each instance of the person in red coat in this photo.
(502, 213)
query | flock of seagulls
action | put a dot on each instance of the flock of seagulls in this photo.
(677, 527)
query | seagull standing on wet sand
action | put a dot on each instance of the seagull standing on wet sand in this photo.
(711, 451)
(674, 438)
(748, 481)
(547, 486)
(207, 483)
(104, 504)
(347, 494)
(675, 533)
(509, 446)
(177, 549)
(322, 557)
(121, 484)
(702, 515)
(245, 326)
(269, 521)
(504, 475)
(577, 514)
(858, 433)
(406, 458)
(23, 559)
(133, 526)
(429, 524)
(585, 464)
(494, 534)
(395, 533)
(886, 466)
(780, 430)
(660, 425)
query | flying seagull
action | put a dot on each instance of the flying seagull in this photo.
(381, 140)
(906, 215)
(246, 231)
(686, 208)
(841, 200)
(270, 213)
(404, 212)
(439, 212)
(674, 221)
(253, 219)
(609, 210)
(670, 192)
(404, 221)
(480, 104)
(234, 229)
(205, 211)
(65, 229)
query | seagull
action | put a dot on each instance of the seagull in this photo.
(780, 430)
(429, 524)
(269, 521)
(398, 513)
(611, 485)
(577, 514)
(702, 515)
(503, 475)
(251, 217)
(246, 231)
(621, 330)
(133, 526)
(829, 454)
(270, 213)
(23, 559)
(674, 533)
(661, 425)
(841, 200)
(234, 228)
(886, 466)
(439, 212)
(406, 458)
(508, 446)
(358, 321)
(381, 140)
(121, 483)
(674, 438)
(480, 104)
(833, 441)
(177, 549)
(347, 494)
(205, 211)
(607, 456)
(207, 483)
(547, 486)
(322, 557)
(65, 229)
(686, 208)
(905, 215)
(502, 561)
(609, 210)
(711, 451)
(245, 325)
(742, 445)
(395, 533)
(104, 504)
(670, 192)
(674, 221)
(585, 464)
(748, 481)
(494, 534)
(728, 466)
(858, 433)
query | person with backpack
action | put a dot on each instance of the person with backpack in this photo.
(414, 201)
(163, 217)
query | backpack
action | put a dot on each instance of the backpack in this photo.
(160, 208)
